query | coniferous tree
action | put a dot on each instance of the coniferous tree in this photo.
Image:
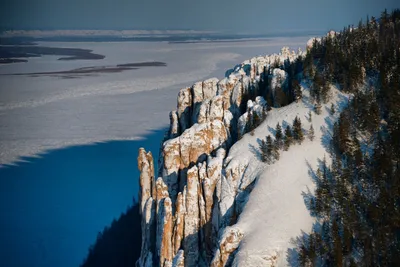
(280, 99)
(288, 138)
(250, 121)
(297, 130)
(325, 92)
(265, 156)
(278, 135)
(357, 199)
(275, 151)
(297, 90)
(256, 120)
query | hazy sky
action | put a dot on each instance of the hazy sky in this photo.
(247, 16)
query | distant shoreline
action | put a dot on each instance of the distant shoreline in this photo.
(76, 73)
(14, 53)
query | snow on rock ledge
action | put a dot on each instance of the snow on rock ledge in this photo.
(188, 211)
(228, 244)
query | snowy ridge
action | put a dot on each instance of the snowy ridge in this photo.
(216, 220)
(276, 211)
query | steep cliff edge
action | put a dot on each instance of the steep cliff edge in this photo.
(190, 212)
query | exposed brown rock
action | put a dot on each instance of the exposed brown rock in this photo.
(184, 108)
(229, 242)
(146, 168)
(166, 250)
(148, 217)
(192, 224)
(179, 223)
(174, 124)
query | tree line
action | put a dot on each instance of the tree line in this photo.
(357, 197)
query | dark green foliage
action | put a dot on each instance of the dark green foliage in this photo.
(269, 150)
(280, 99)
(297, 90)
(265, 155)
(297, 130)
(275, 150)
(357, 197)
(288, 139)
(278, 136)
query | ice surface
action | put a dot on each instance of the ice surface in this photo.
(56, 204)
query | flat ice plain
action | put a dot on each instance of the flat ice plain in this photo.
(68, 147)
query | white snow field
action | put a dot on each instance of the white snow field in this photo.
(276, 212)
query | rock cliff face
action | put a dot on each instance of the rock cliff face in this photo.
(187, 212)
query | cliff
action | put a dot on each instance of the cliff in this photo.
(189, 208)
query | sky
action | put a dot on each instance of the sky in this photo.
(246, 16)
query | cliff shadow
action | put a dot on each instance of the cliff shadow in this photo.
(54, 205)
(119, 244)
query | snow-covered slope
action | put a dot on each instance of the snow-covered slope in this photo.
(215, 203)
(276, 211)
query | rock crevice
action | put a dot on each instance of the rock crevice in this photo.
(188, 212)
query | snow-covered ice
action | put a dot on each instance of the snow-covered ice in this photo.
(39, 113)
(69, 194)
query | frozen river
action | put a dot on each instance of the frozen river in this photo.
(68, 146)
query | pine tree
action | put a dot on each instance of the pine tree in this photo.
(357, 198)
(297, 130)
(280, 98)
(278, 135)
(325, 89)
(310, 116)
(311, 133)
(297, 90)
(256, 120)
(275, 150)
(288, 138)
(337, 250)
(264, 151)
(250, 122)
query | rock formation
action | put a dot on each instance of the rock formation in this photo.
(188, 211)
(229, 242)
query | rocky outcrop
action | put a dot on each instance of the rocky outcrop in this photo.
(146, 168)
(256, 112)
(228, 244)
(184, 108)
(165, 226)
(174, 129)
(278, 78)
(188, 212)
